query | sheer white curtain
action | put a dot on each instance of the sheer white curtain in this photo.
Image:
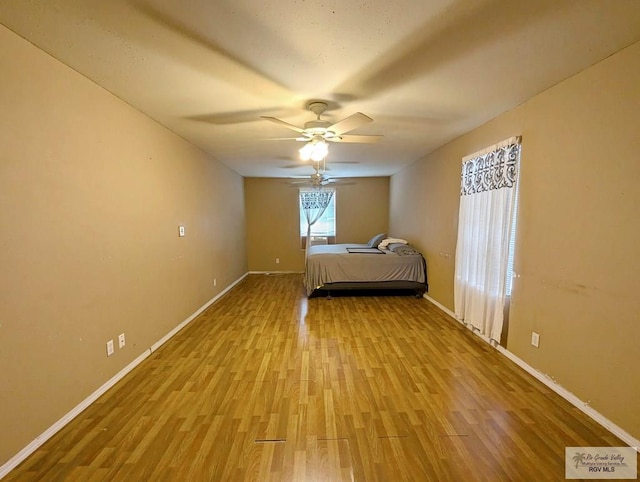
(314, 203)
(487, 210)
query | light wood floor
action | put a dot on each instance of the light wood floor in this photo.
(267, 385)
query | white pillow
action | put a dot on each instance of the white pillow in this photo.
(385, 242)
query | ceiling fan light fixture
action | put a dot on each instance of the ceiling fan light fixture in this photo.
(305, 151)
(315, 150)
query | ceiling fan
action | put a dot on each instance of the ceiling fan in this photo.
(321, 130)
(318, 179)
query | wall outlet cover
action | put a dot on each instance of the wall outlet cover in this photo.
(535, 339)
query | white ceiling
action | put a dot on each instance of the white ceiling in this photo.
(426, 71)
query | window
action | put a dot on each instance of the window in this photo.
(323, 230)
(486, 236)
(512, 243)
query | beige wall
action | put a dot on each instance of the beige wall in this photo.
(91, 195)
(576, 250)
(273, 228)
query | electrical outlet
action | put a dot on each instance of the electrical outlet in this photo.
(121, 341)
(277, 260)
(535, 339)
(110, 348)
(180, 231)
(215, 282)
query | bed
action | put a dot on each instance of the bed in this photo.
(334, 267)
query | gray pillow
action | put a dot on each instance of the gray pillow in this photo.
(376, 240)
(402, 249)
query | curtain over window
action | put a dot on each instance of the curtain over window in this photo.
(485, 236)
(313, 204)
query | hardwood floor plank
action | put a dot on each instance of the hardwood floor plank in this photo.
(269, 385)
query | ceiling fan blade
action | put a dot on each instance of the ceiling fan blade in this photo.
(356, 138)
(283, 123)
(349, 123)
(300, 139)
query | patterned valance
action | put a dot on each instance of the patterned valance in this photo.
(496, 168)
(316, 199)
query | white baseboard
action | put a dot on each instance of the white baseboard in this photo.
(442, 307)
(549, 382)
(276, 272)
(169, 335)
(14, 461)
(575, 401)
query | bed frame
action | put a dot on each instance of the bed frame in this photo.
(370, 287)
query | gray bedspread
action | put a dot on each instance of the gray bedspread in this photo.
(334, 264)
